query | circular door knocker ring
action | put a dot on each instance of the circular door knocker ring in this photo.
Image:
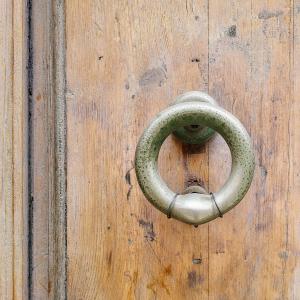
(194, 118)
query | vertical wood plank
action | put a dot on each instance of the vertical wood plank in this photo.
(126, 61)
(13, 150)
(42, 150)
(251, 54)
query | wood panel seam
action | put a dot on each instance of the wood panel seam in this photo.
(29, 66)
(60, 151)
(46, 105)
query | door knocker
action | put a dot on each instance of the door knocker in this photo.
(194, 118)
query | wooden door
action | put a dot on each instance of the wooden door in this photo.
(74, 222)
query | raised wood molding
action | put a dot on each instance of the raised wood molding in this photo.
(32, 147)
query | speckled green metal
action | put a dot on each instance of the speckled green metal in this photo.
(194, 208)
(188, 134)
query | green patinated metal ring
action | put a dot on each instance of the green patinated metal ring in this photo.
(195, 208)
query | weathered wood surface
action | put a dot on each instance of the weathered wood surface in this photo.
(47, 214)
(125, 63)
(254, 249)
(293, 227)
(13, 151)
(42, 155)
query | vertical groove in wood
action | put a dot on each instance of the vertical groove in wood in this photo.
(48, 168)
(30, 135)
(59, 225)
(13, 151)
(293, 263)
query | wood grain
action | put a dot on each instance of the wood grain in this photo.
(13, 151)
(255, 247)
(293, 264)
(42, 155)
(126, 61)
(47, 216)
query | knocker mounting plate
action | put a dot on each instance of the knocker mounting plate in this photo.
(194, 133)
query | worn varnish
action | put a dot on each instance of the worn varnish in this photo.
(293, 226)
(42, 154)
(47, 208)
(13, 151)
(256, 246)
(125, 63)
